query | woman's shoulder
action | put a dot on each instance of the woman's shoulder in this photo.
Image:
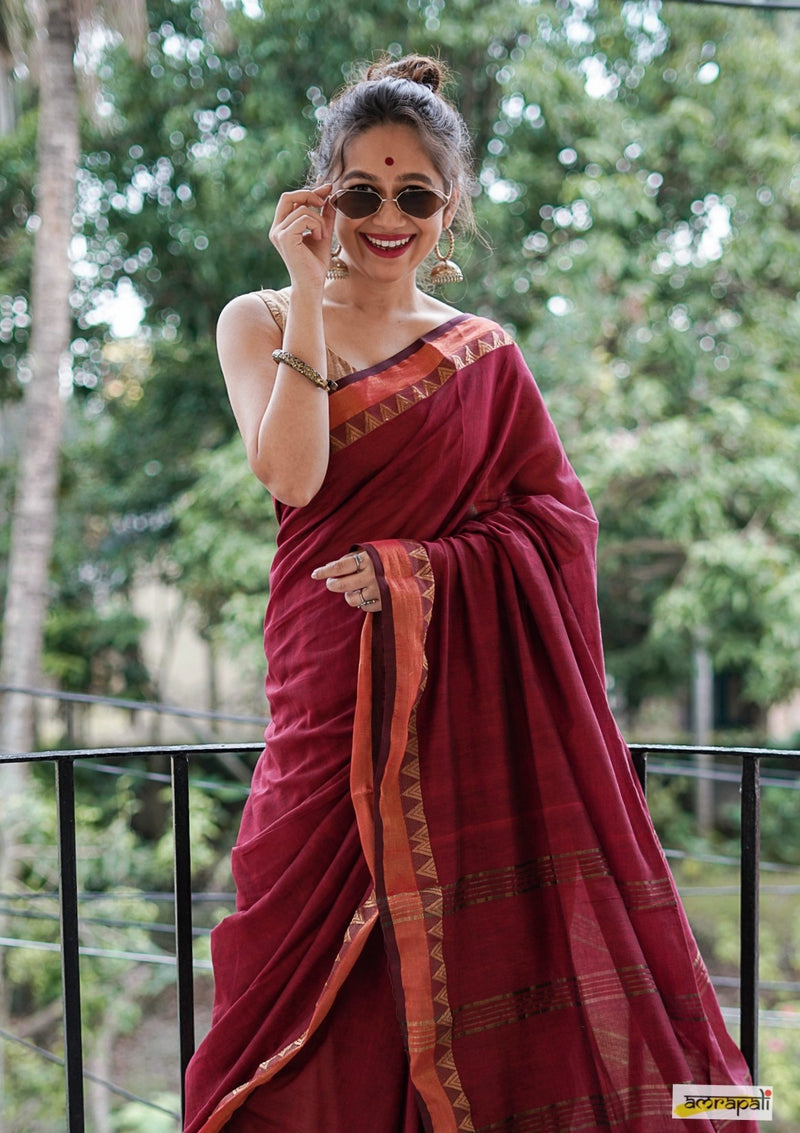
(263, 307)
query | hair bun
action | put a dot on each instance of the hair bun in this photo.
(414, 68)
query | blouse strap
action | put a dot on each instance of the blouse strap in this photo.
(277, 303)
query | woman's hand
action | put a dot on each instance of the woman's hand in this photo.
(301, 231)
(353, 576)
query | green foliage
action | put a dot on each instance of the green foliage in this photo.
(226, 577)
(709, 890)
(670, 799)
(100, 649)
(137, 1118)
(125, 863)
(662, 328)
(641, 201)
(28, 1078)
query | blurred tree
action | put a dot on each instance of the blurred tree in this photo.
(34, 511)
(54, 25)
(645, 199)
(641, 206)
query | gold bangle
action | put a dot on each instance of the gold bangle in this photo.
(328, 384)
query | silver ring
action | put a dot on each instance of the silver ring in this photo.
(368, 602)
(357, 559)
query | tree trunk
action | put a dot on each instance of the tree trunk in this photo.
(8, 109)
(703, 728)
(37, 477)
(34, 516)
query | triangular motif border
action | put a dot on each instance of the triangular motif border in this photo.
(370, 418)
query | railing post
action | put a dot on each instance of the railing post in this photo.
(751, 855)
(70, 944)
(183, 914)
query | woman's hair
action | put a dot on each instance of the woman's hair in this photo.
(400, 92)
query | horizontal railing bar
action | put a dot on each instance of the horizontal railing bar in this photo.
(680, 770)
(648, 759)
(733, 752)
(765, 985)
(133, 705)
(108, 922)
(723, 859)
(257, 746)
(208, 785)
(128, 752)
(112, 1087)
(125, 895)
(733, 890)
(101, 953)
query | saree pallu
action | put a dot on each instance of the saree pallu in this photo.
(449, 770)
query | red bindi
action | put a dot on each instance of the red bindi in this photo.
(388, 161)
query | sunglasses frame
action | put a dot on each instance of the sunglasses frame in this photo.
(445, 199)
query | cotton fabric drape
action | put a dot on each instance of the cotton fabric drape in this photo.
(446, 779)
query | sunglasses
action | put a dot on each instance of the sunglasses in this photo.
(356, 204)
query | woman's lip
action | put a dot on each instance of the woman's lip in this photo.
(387, 246)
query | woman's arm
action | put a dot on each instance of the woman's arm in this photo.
(282, 415)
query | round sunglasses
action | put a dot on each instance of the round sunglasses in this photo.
(356, 204)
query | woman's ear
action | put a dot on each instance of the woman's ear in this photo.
(452, 207)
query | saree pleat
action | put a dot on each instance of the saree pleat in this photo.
(450, 768)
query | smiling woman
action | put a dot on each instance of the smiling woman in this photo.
(452, 909)
(396, 212)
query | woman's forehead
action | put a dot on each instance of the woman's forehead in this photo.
(393, 151)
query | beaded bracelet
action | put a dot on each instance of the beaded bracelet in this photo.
(328, 384)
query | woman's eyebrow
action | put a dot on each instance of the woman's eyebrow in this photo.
(360, 175)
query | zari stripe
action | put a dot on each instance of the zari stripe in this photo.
(588, 1113)
(510, 881)
(553, 869)
(556, 995)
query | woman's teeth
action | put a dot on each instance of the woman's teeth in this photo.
(389, 244)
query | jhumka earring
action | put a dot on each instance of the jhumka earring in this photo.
(446, 271)
(337, 268)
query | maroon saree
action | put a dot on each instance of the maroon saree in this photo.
(444, 782)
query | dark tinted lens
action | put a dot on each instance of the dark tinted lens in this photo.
(421, 203)
(357, 203)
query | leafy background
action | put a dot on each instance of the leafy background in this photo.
(639, 191)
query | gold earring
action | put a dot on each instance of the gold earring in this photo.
(446, 271)
(337, 268)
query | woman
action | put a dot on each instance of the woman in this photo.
(452, 910)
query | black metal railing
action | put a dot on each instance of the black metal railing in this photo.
(750, 860)
(64, 762)
(179, 759)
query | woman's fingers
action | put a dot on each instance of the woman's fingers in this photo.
(303, 206)
(354, 562)
(353, 576)
(301, 231)
(311, 198)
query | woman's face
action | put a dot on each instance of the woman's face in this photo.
(389, 243)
